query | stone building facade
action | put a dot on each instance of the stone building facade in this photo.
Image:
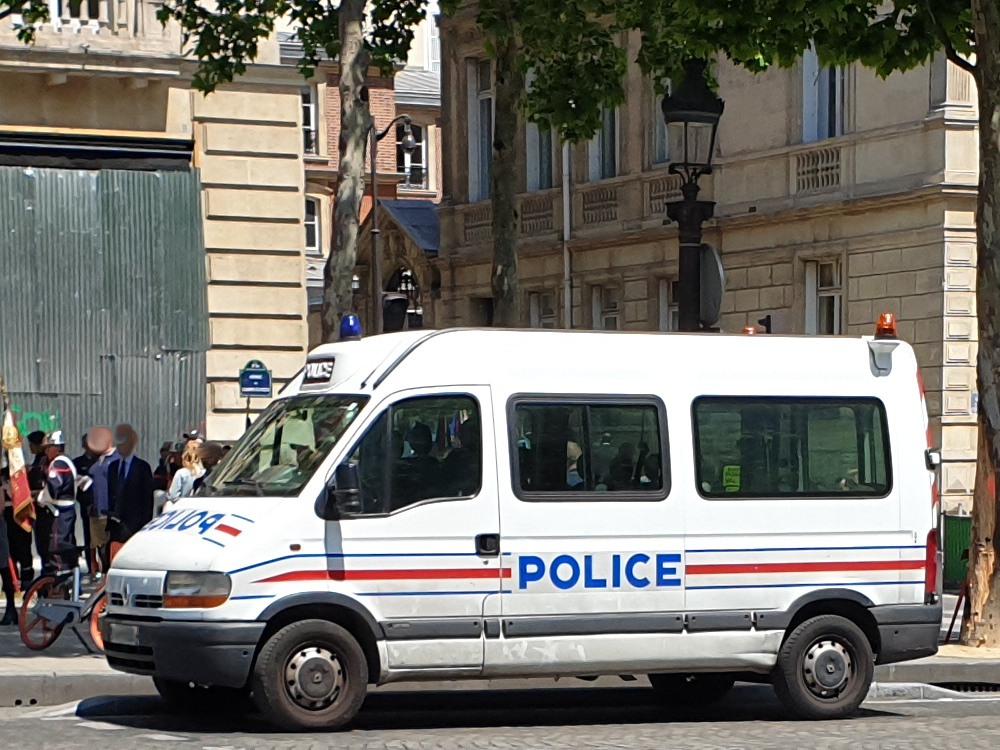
(105, 78)
(839, 196)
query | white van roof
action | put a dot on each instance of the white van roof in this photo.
(607, 361)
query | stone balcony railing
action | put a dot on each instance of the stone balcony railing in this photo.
(622, 204)
(98, 26)
(850, 167)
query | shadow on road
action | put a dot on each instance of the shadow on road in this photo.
(477, 709)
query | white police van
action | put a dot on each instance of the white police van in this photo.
(489, 503)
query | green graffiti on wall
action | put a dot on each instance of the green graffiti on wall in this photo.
(30, 421)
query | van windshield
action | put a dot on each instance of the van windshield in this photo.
(284, 447)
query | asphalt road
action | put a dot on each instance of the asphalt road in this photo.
(625, 718)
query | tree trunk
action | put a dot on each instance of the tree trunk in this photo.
(355, 121)
(509, 87)
(982, 625)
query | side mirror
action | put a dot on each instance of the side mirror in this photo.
(341, 499)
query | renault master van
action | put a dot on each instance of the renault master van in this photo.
(441, 505)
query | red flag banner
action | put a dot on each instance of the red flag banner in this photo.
(24, 506)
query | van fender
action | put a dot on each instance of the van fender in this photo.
(781, 619)
(324, 598)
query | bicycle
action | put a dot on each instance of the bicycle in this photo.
(53, 602)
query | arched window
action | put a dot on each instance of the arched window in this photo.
(405, 282)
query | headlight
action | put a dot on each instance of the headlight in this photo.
(196, 590)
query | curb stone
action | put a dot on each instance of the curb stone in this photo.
(57, 687)
(917, 691)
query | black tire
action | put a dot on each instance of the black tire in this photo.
(329, 655)
(842, 650)
(193, 699)
(689, 690)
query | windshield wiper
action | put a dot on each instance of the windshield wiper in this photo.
(246, 483)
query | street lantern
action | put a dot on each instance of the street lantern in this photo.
(692, 114)
(409, 145)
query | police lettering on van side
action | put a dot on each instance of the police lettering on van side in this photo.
(627, 571)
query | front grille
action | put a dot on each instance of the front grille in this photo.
(147, 601)
(117, 600)
(130, 658)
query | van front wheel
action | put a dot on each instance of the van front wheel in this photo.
(692, 689)
(310, 675)
(824, 668)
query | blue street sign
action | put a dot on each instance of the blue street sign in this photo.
(255, 380)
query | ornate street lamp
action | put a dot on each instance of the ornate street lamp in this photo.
(409, 145)
(692, 114)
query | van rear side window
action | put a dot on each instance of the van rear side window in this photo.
(791, 447)
(600, 450)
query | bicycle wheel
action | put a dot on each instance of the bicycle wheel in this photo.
(95, 615)
(38, 633)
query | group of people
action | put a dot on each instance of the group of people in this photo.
(114, 491)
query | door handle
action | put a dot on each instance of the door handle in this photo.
(488, 545)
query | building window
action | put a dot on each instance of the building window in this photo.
(822, 99)
(605, 308)
(670, 316)
(434, 53)
(602, 151)
(310, 123)
(313, 246)
(660, 151)
(542, 311)
(413, 166)
(538, 148)
(824, 297)
(480, 129)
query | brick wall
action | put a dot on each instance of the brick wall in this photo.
(382, 100)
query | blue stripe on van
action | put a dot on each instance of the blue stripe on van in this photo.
(432, 593)
(242, 518)
(852, 584)
(804, 549)
(212, 541)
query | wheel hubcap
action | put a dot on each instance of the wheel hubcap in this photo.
(314, 678)
(827, 668)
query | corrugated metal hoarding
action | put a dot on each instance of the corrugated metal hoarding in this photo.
(103, 313)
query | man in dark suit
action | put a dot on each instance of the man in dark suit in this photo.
(130, 488)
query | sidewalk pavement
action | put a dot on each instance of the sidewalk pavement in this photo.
(66, 672)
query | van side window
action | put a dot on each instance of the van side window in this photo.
(791, 447)
(425, 448)
(604, 450)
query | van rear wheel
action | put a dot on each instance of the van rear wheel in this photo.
(824, 668)
(310, 675)
(692, 689)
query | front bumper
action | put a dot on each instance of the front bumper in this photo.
(907, 631)
(205, 653)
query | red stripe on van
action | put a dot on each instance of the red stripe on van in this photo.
(427, 574)
(814, 567)
(228, 530)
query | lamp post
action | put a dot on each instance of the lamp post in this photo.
(692, 114)
(409, 146)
